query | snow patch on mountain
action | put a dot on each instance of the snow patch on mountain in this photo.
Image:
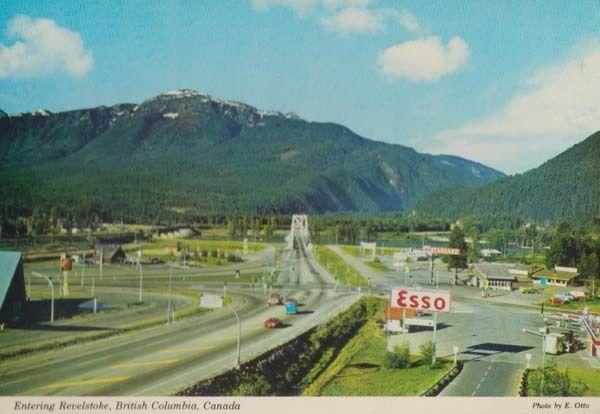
(171, 115)
(41, 112)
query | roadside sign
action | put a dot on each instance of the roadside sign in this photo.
(66, 264)
(211, 301)
(543, 281)
(419, 322)
(420, 299)
(442, 250)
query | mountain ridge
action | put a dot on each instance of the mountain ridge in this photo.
(565, 187)
(180, 144)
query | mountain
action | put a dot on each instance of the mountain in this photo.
(183, 151)
(3, 114)
(566, 187)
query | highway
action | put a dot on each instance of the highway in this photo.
(164, 359)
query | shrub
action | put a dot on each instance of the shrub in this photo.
(233, 258)
(400, 358)
(556, 383)
(214, 253)
(252, 385)
(427, 350)
(204, 253)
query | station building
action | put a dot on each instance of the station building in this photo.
(111, 253)
(500, 276)
(12, 286)
(559, 276)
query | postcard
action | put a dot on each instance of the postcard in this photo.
(233, 206)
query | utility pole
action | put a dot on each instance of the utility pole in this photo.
(83, 271)
(141, 280)
(239, 336)
(101, 260)
(435, 314)
(169, 305)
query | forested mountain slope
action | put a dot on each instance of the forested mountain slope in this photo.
(566, 187)
(184, 151)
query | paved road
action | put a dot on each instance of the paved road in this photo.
(488, 332)
(165, 359)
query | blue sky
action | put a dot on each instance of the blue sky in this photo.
(509, 84)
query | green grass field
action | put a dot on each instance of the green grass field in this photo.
(358, 370)
(344, 274)
(590, 377)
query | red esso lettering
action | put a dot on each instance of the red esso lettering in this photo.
(414, 301)
(401, 298)
(439, 303)
(426, 304)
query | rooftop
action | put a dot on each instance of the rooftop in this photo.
(553, 274)
(8, 266)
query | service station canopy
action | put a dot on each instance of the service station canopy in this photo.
(420, 299)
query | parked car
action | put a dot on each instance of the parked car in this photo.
(529, 291)
(556, 301)
(565, 297)
(272, 323)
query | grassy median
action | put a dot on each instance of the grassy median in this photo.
(358, 370)
(339, 269)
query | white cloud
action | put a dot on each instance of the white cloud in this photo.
(353, 20)
(558, 106)
(408, 21)
(364, 20)
(301, 7)
(42, 47)
(425, 59)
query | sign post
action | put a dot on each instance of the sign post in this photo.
(421, 300)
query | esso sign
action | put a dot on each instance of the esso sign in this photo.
(422, 300)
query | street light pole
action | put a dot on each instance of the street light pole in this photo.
(543, 363)
(141, 281)
(51, 293)
(169, 302)
(239, 336)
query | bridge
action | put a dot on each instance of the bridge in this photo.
(298, 231)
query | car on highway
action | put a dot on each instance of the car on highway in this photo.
(274, 299)
(273, 323)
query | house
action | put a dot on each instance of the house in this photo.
(111, 254)
(12, 286)
(559, 276)
(494, 276)
(490, 252)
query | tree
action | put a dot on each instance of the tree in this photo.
(231, 227)
(563, 248)
(457, 240)
(475, 250)
(589, 269)
(427, 350)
